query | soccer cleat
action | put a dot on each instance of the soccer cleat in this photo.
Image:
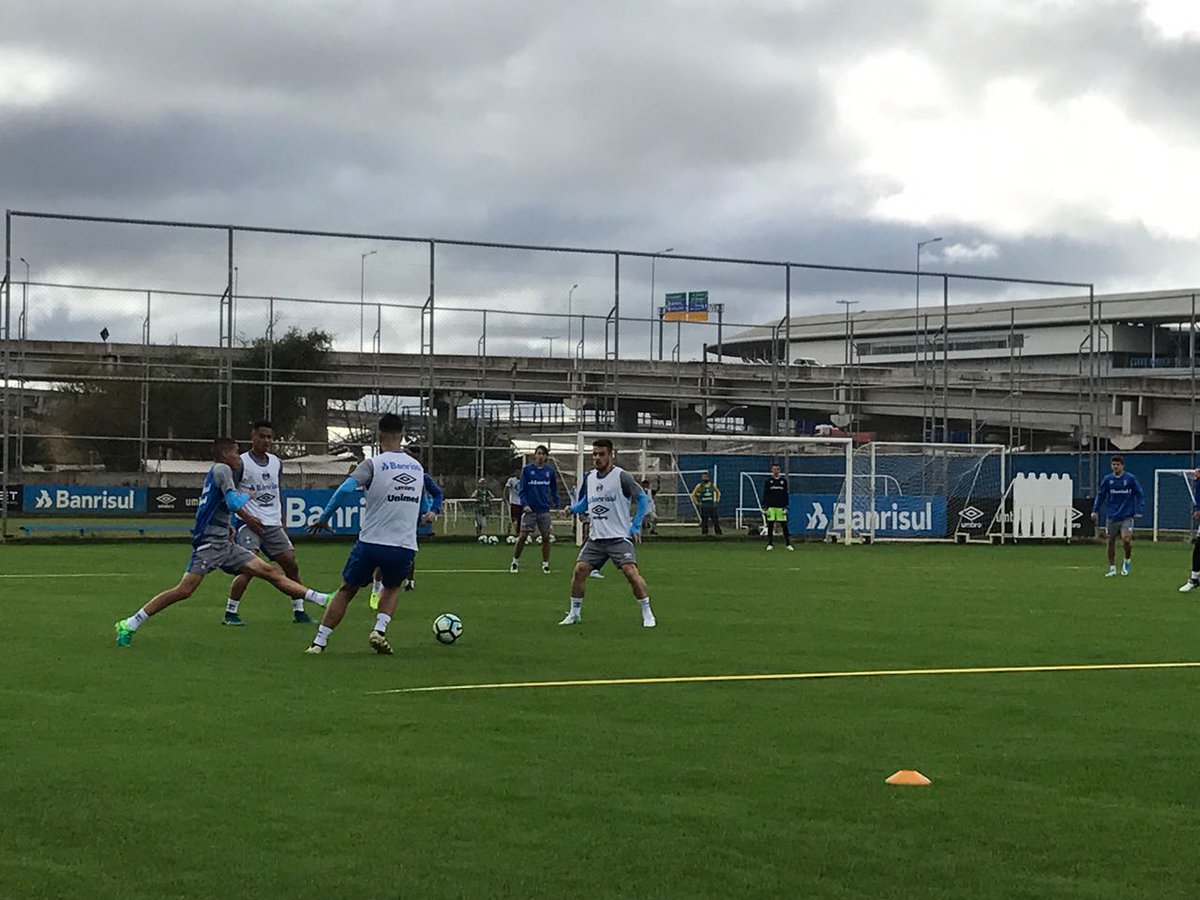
(514, 566)
(648, 620)
(315, 649)
(300, 617)
(410, 585)
(1112, 571)
(1187, 588)
(1126, 567)
(124, 634)
(770, 546)
(545, 568)
(379, 643)
(791, 549)
(374, 601)
(571, 618)
(232, 619)
(595, 574)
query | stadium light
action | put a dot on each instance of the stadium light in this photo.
(362, 291)
(917, 327)
(653, 261)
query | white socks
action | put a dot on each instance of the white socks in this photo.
(323, 633)
(231, 605)
(1196, 576)
(314, 597)
(134, 621)
(377, 587)
(576, 604)
(297, 604)
(381, 622)
(646, 611)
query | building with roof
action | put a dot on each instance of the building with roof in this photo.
(1133, 333)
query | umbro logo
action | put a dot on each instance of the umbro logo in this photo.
(265, 499)
(166, 500)
(971, 514)
(600, 510)
(404, 478)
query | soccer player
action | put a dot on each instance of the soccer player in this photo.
(605, 495)
(706, 496)
(539, 494)
(512, 493)
(1193, 581)
(262, 472)
(213, 546)
(428, 505)
(483, 506)
(1123, 501)
(393, 482)
(775, 506)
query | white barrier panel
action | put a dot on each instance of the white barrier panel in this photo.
(1042, 505)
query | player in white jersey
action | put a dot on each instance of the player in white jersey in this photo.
(262, 473)
(393, 483)
(605, 495)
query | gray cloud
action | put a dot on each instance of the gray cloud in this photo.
(710, 128)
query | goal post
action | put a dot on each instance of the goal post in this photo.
(926, 491)
(1174, 500)
(674, 462)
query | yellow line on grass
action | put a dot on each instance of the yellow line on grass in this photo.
(792, 676)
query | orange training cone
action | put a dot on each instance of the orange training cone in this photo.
(909, 776)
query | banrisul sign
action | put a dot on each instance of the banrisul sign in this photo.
(896, 516)
(80, 499)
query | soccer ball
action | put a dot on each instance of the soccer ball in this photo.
(447, 628)
(483, 539)
(492, 539)
(552, 539)
(510, 540)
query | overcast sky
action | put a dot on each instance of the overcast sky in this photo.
(1040, 138)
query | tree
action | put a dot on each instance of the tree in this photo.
(97, 416)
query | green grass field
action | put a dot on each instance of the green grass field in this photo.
(214, 762)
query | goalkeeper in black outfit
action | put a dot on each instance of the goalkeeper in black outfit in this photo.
(775, 506)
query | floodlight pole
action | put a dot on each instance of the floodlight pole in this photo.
(917, 325)
(946, 358)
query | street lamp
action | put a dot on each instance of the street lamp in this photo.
(847, 304)
(23, 330)
(362, 289)
(551, 339)
(570, 294)
(653, 262)
(917, 328)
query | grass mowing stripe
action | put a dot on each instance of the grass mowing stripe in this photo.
(74, 575)
(792, 676)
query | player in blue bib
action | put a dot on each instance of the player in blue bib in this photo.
(1122, 500)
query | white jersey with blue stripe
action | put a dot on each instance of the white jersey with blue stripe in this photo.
(608, 498)
(261, 479)
(392, 483)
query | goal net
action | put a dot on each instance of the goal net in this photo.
(1174, 500)
(927, 492)
(737, 465)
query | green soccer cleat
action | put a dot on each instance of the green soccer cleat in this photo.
(374, 601)
(232, 619)
(124, 634)
(300, 617)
